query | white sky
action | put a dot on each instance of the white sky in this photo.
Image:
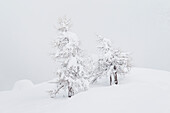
(27, 28)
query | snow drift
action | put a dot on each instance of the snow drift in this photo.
(23, 85)
(141, 91)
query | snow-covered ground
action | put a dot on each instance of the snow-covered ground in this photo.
(141, 91)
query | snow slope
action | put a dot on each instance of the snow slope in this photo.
(141, 91)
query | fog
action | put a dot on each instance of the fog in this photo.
(27, 28)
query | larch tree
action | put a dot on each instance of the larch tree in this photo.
(112, 62)
(72, 74)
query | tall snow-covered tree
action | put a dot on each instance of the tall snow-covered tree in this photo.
(112, 62)
(72, 74)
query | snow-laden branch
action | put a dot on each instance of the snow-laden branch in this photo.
(68, 53)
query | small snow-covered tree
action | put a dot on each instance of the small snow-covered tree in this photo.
(112, 62)
(72, 74)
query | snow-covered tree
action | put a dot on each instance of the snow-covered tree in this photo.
(112, 62)
(72, 74)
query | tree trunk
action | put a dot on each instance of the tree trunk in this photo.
(110, 79)
(70, 92)
(115, 78)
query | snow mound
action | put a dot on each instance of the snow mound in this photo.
(23, 84)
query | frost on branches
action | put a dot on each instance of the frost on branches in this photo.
(72, 75)
(76, 70)
(112, 62)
